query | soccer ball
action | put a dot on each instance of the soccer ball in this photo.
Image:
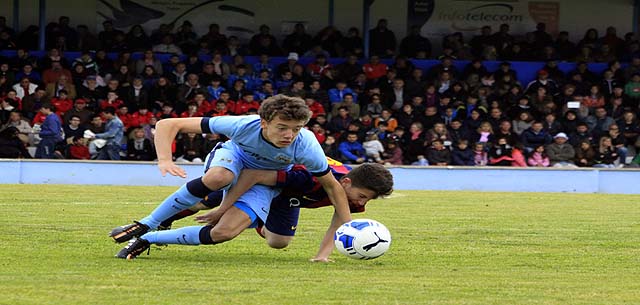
(362, 239)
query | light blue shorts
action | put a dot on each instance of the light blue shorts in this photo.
(225, 155)
(258, 198)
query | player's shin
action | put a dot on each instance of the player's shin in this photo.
(193, 235)
(182, 199)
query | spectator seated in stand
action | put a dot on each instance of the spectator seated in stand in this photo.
(413, 92)
(351, 150)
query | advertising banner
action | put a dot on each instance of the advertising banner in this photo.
(468, 16)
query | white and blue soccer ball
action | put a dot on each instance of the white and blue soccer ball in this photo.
(362, 239)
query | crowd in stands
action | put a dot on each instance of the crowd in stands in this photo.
(364, 110)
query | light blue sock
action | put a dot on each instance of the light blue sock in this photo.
(180, 200)
(182, 236)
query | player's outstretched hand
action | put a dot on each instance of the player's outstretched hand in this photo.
(321, 260)
(171, 168)
(211, 218)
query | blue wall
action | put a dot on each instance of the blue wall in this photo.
(616, 181)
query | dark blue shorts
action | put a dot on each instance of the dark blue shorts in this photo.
(283, 217)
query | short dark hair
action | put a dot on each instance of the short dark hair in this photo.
(372, 176)
(285, 108)
(109, 110)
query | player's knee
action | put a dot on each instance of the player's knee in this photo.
(278, 242)
(217, 178)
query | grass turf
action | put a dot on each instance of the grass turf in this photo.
(448, 248)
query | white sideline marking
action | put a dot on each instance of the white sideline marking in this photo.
(123, 202)
(396, 195)
(93, 203)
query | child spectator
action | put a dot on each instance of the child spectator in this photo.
(259, 80)
(484, 134)
(438, 154)
(373, 147)
(315, 107)
(200, 100)
(12, 99)
(141, 117)
(242, 106)
(538, 157)
(392, 154)
(124, 116)
(219, 110)
(79, 150)
(518, 155)
(112, 100)
(265, 91)
(286, 78)
(386, 116)
(263, 65)
(480, 155)
(192, 111)
(167, 112)
(62, 103)
(50, 133)
(375, 107)
(319, 132)
(585, 154)
(215, 88)
(240, 74)
(462, 154)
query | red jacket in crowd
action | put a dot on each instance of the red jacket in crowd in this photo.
(61, 105)
(104, 104)
(242, 106)
(139, 119)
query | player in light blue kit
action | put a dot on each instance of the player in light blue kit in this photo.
(275, 139)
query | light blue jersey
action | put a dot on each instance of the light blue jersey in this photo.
(249, 149)
(246, 149)
(257, 153)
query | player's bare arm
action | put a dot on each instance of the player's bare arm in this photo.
(337, 195)
(327, 244)
(166, 131)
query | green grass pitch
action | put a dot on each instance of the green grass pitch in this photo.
(448, 248)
